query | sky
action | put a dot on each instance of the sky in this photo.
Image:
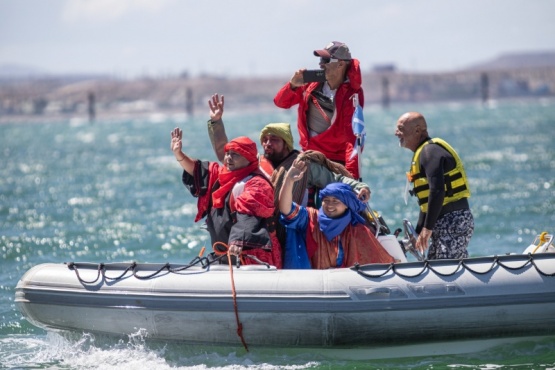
(131, 38)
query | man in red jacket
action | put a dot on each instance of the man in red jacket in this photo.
(326, 108)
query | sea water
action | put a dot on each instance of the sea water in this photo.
(107, 191)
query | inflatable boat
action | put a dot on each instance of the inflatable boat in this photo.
(363, 306)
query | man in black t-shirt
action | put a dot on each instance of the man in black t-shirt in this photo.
(440, 184)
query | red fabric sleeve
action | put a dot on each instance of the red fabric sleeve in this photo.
(203, 202)
(286, 97)
(257, 198)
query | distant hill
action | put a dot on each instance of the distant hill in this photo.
(15, 71)
(517, 60)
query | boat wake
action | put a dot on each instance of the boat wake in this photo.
(67, 350)
(70, 350)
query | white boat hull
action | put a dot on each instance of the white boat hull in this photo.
(487, 297)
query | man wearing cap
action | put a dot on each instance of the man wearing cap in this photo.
(325, 108)
(234, 199)
(279, 155)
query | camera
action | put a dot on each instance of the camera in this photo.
(314, 75)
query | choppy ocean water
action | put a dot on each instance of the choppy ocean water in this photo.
(111, 191)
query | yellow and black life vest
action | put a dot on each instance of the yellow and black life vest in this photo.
(456, 183)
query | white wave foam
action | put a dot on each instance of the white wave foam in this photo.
(87, 351)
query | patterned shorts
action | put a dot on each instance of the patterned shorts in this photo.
(451, 235)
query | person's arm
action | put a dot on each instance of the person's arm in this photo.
(320, 176)
(291, 93)
(186, 162)
(294, 174)
(297, 79)
(215, 126)
(362, 189)
(432, 163)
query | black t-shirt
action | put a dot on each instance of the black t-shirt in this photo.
(435, 161)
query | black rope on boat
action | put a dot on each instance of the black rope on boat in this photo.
(357, 269)
(257, 260)
(73, 266)
(493, 263)
(155, 273)
(437, 272)
(122, 275)
(396, 268)
(204, 262)
(424, 267)
(519, 267)
(101, 270)
(460, 266)
(537, 268)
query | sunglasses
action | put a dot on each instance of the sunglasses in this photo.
(328, 60)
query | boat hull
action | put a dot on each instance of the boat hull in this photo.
(488, 297)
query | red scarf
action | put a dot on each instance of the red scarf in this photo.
(227, 179)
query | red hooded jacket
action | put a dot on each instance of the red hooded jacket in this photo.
(337, 142)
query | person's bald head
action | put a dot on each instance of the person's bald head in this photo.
(411, 130)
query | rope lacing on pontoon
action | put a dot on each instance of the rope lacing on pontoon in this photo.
(398, 269)
(205, 262)
(219, 254)
(462, 264)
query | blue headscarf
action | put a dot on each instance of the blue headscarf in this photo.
(331, 227)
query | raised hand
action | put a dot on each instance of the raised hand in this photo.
(297, 170)
(364, 195)
(297, 79)
(176, 144)
(216, 106)
(176, 141)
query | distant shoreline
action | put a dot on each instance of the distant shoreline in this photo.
(111, 116)
(162, 116)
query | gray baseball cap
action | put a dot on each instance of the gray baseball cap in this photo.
(334, 49)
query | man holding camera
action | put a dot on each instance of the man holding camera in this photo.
(326, 108)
